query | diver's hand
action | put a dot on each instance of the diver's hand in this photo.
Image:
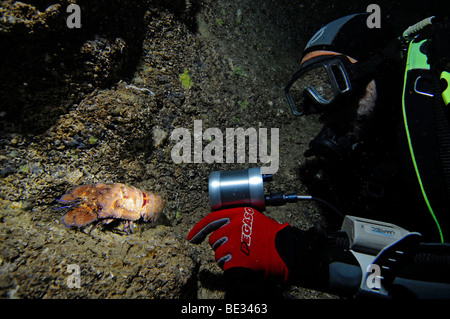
(242, 237)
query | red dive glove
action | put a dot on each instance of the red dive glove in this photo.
(242, 237)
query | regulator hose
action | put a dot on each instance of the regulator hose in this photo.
(408, 33)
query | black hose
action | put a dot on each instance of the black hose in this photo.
(336, 211)
(278, 199)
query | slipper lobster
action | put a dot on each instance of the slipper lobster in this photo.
(108, 202)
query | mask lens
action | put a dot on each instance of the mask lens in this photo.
(318, 85)
(341, 78)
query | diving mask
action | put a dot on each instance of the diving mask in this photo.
(320, 81)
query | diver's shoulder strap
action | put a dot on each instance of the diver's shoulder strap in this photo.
(427, 130)
(371, 65)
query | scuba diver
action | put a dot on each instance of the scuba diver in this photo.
(385, 152)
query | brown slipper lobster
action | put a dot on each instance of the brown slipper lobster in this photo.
(105, 203)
